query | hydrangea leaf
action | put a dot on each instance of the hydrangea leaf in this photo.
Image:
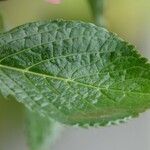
(74, 72)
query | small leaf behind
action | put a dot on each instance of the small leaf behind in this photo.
(41, 131)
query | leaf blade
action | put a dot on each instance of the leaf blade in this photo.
(74, 72)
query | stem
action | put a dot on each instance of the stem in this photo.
(98, 7)
(1, 24)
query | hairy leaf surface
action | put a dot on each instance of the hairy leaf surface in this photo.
(74, 72)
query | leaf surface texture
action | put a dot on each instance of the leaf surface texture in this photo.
(74, 72)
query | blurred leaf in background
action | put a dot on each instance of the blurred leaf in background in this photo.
(41, 131)
(11, 124)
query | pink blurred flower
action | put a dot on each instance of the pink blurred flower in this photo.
(54, 1)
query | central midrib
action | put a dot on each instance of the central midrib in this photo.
(67, 80)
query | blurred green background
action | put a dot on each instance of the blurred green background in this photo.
(127, 18)
(130, 19)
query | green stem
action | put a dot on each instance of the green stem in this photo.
(1, 23)
(98, 7)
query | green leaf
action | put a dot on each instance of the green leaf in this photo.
(74, 72)
(41, 131)
(97, 8)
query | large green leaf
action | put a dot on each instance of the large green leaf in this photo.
(97, 8)
(41, 131)
(74, 72)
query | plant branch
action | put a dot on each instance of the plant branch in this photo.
(97, 8)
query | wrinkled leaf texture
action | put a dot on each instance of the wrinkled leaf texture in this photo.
(74, 72)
